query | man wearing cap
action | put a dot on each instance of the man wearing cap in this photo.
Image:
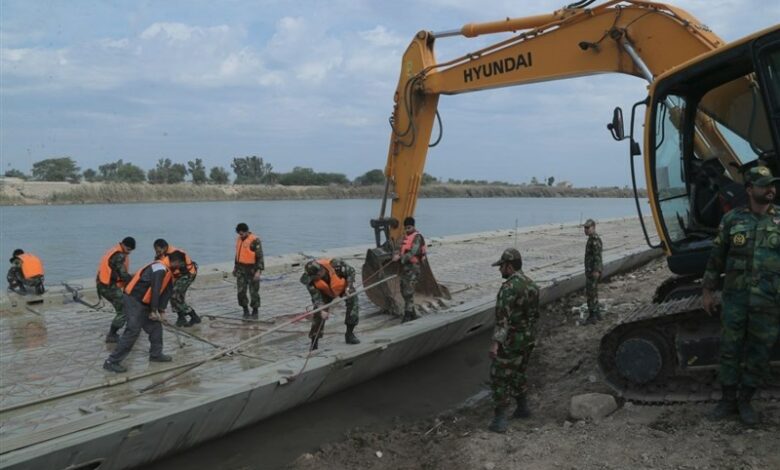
(249, 264)
(747, 250)
(517, 309)
(112, 275)
(411, 254)
(593, 267)
(182, 278)
(326, 279)
(26, 273)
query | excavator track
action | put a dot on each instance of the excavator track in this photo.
(666, 353)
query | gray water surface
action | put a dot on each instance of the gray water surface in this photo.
(72, 239)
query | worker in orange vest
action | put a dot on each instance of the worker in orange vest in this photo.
(411, 255)
(249, 264)
(112, 275)
(26, 273)
(182, 278)
(326, 279)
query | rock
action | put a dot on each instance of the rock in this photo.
(566, 424)
(490, 466)
(594, 406)
(379, 454)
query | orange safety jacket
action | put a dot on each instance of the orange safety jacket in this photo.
(243, 254)
(31, 265)
(104, 270)
(147, 298)
(192, 268)
(407, 245)
(337, 284)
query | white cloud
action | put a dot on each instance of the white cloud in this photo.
(380, 36)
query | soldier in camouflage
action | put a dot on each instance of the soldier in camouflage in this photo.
(182, 279)
(249, 264)
(411, 254)
(22, 277)
(747, 251)
(326, 279)
(593, 268)
(517, 309)
(112, 275)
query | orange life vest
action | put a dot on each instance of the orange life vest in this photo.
(147, 298)
(192, 268)
(337, 284)
(243, 254)
(407, 245)
(104, 270)
(31, 265)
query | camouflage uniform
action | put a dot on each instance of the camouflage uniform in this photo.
(318, 299)
(245, 277)
(517, 309)
(181, 283)
(747, 250)
(113, 293)
(593, 263)
(17, 281)
(410, 273)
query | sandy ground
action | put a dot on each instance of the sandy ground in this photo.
(564, 365)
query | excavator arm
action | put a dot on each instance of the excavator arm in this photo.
(638, 38)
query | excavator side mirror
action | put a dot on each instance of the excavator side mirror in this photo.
(616, 127)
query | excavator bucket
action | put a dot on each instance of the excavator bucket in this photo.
(387, 296)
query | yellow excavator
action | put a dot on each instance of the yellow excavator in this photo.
(712, 111)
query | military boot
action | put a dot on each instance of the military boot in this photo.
(500, 422)
(410, 316)
(194, 318)
(112, 336)
(255, 313)
(246, 312)
(114, 367)
(727, 405)
(181, 320)
(746, 412)
(522, 410)
(314, 344)
(350, 337)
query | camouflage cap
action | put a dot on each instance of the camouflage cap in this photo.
(312, 268)
(510, 254)
(760, 176)
(589, 223)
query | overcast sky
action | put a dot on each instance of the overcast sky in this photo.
(299, 83)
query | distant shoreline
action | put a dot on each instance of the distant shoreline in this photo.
(15, 192)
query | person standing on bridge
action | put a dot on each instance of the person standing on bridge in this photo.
(747, 250)
(593, 269)
(249, 264)
(517, 309)
(326, 279)
(411, 255)
(26, 273)
(112, 275)
(182, 278)
(145, 298)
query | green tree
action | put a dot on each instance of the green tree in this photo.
(90, 175)
(219, 175)
(428, 179)
(550, 181)
(371, 177)
(121, 172)
(167, 172)
(56, 169)
(14, 173)
(300, 176)
(197, 171)
(252, 170)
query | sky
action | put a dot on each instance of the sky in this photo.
(299, 83)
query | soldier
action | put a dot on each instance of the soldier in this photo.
(517, 309)
(593, 267)
(112, 275)
(145, 298)
(411, 254)
(26, 273)
(182, 279)
(747, 250)
(325, 280)
(248, 266)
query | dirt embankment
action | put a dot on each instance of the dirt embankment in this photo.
(564, 365)
(15, 191)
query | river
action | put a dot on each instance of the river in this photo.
(71, 239)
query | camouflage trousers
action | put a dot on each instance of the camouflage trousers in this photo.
(592, 294)
(180, 286)
(351, 318)
(410, 273)
(507, 377)
(748, 335)
(113, 294)
(17, 282)
(245, 279)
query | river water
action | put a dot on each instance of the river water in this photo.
(71, 239)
